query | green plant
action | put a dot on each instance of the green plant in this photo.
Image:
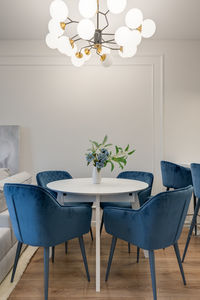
(100, 155)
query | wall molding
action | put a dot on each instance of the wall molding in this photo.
(43, 61)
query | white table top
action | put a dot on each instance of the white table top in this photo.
(108, 186)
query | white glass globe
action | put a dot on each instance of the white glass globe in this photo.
(77, 62)
(105, 50)
(51, 41)
(116, 6)
(128, 51)
(86, 29)
(134, 18)
(87, 8)
(59, 10)
(64, 46)
(135, 38)
(55, 28)
(108, 61)
(122, 35)
(148, 28)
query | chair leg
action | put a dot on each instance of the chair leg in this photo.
(46, 272)
(18, 251)
(153, 273)
(82, 246)
(53, 254)
(101, 227)
(91, 233)
(138, 254)
(129, 248)
(66, 247)
(176, 249)
(112, 249)
(195, 203)
(191, 229)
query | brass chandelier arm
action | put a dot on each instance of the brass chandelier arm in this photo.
(97, 14)
(88, 46)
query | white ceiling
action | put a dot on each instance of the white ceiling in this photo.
(28, 19)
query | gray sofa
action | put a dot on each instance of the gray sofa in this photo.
(8, 242)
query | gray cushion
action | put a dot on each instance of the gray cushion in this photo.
(3, 205)
(5, 241)
(22, 177)
(4, 173)
(5, 222)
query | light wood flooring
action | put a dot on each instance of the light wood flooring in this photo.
(128, 280)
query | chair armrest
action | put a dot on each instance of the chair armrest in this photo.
(144, 195)
(124, 223)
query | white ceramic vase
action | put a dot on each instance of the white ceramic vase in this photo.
(96, 176)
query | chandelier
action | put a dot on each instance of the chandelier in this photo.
(94, 37)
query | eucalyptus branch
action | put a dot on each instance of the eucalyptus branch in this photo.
(100, 156)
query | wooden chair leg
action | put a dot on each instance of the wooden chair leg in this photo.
(91, 233)
(191, 229)
(112, 249)
(153, 273)
(46, 272)
(18, 251)
(138, 254)
(176, 249)
(82, 246)
(53, 254)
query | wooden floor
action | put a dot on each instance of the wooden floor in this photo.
(128, 280)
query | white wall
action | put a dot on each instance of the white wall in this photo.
(181, 98)
(59, 107)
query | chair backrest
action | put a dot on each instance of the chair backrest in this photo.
(141, 176)
(175, 176)
(43, 178)
(39, 220)
(195, 169)
(137, 175)
(162, 218)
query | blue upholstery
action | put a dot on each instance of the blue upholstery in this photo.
(175, 176)
(156, 225)
(45, 177)
(195, 169)
(143, 195)
(39, 220)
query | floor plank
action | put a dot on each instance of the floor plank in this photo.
(128, 280)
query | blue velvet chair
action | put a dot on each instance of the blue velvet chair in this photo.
(157, 224)
(195, 169)
(39, 220)
(175, 176)
(45, 177)
(143, 195)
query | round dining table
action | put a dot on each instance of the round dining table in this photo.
(109, 190)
